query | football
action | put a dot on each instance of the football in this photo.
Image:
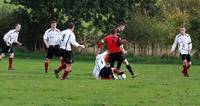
(122, 76)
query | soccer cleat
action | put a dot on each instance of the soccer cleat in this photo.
(133, 76)
(11, 69)
(185, 74)
(56, 73)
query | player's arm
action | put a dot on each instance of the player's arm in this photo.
(45, 39)
(174, 45)
(75, 43)
(16, 41)
(6, 38)
(189, 44)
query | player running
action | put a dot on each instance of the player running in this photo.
(51, 41)
(67, 39)
(10, 38)
(184, 43)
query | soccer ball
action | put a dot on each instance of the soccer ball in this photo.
(121, 76)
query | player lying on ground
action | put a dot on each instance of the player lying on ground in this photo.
(102, 69)
(10, 38)
(51, 41)
(67, 39)
(184, 43)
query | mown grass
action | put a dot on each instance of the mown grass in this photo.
(156, 85)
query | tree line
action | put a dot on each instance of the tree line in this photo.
(151, 25)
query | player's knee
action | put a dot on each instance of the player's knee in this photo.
(126, 62)
(46, 60)
(12, 55)
(184, 62)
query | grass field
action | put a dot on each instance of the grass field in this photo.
(156, 85)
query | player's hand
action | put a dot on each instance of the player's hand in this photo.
(82, 46)
(125, 52)
(19, 43)
(8, 44)
(47, 46)
(189, 50)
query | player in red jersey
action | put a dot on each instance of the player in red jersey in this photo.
(115, 52)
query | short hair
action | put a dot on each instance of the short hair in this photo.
(114, 31)
(53, 21)
(70, 25)
(121, 24)
(17, 24)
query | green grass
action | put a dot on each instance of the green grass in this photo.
(156, 85)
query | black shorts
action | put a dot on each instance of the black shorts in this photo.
(6, 49)
(186, 57)
(120, 57)
(53, 51)
(67, 56)
(105, 72)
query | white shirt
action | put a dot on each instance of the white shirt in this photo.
(184, 43)
(99, 64)
(11, 37)
(52, 36)
(67, 39)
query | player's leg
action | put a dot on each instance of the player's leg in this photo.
(128, 66)
(2, 56)
(189, 62)
(185, 66)
(4, 50)
(46, 65)
(47, 59)
(61, 67)
(11, 59)
(67, 70)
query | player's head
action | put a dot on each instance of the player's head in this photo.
(120, 26)
(182, 30)
(71, 26)
(114, 31)
(18, 27)
(53, 24)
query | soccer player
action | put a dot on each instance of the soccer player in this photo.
(10, 38)
(184, 43)
(115, 52)
(120, 28)
(102, 69)
(67, 39)
(51, 41)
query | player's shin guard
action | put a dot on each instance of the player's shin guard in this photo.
(130, 69)
(46, 65)
(10, 63)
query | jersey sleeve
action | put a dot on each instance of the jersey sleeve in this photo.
(45, 35)
(73, 40)
(174, 44)
(190, 43)
(6, 36)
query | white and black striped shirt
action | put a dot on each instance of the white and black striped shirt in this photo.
(52, 36)
(184, 43)
(11, 37)
(67, 39)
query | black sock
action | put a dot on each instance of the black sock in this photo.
(130, 69)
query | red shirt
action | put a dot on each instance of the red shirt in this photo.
(112, 43)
